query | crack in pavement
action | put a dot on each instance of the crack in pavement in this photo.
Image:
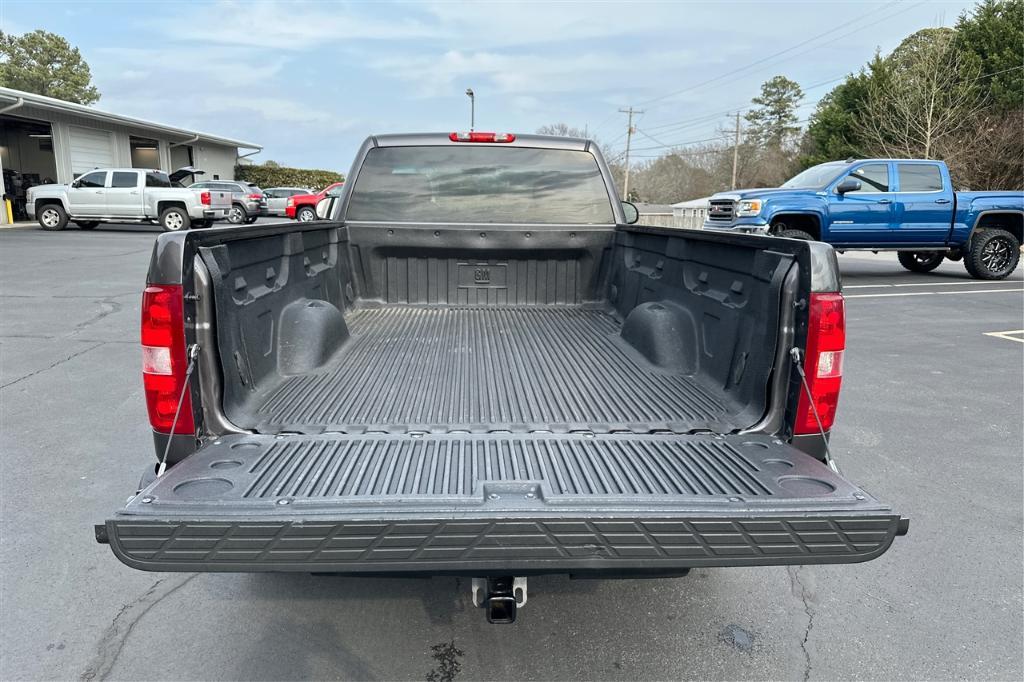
(114, 308)
(59, 362)
(50, 337)
(110, 645)
(100, 255)
(804, 596)
(68, 296)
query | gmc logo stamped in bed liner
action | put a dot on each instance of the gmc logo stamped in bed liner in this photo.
(487, 275)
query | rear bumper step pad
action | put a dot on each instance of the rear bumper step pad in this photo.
(501, 503)
(478, 545)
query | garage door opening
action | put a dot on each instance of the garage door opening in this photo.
(145, 152)
(26, 155)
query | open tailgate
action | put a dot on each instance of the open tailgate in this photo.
(481, 504)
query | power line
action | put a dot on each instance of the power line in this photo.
(689, 142)
(679, 125)
(682, 124)
(718, 79)
(679, 144)
(709, 119)
(687, 122)
(764, 59)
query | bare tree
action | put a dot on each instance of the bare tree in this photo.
(562, 130)
(924, 100)
(992, 154)
(613, 158)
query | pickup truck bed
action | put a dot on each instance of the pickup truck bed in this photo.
(381, 396)
(496, 411)
(504, 342)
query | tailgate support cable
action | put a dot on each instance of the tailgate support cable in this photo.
(796, 355)
(193, 354)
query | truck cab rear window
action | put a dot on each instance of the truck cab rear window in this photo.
(919, 177)
(467, 184)
(157, 180)
(124, 179)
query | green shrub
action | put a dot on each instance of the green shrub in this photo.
(268, 176)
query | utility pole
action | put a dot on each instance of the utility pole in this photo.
(629, 138)
(472, 108)
(736, 151)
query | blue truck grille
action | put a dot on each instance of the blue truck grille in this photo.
(721, 210)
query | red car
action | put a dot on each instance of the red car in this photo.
(302, 207)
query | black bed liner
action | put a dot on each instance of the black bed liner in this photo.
(557, 368)
(497, 503)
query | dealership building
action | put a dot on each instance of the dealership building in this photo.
(45, 140)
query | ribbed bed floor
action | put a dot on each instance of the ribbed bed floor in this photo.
(489, 369)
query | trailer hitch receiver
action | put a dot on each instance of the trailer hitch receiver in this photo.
(500, 597)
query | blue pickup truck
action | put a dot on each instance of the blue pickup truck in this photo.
(903, 205)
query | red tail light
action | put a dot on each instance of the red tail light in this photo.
(482, 137)
(826, 341)
(204, 198)
(163, 358)
(255, 197)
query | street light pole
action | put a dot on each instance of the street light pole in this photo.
(472, 108)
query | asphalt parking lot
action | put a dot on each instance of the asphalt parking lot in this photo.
(930, 420)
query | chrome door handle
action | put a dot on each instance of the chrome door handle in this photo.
(942, 201)
(885, 201)
(132, 192)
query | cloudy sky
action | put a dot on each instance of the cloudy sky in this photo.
(310, 80)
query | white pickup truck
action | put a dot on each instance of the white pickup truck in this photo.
(128, 195)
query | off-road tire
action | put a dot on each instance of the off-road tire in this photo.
(796, 234)
(305, 214)
(921, 261)
(174, 219)
(52, 217)
(994, 254)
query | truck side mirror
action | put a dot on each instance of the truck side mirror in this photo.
(848, 184)
(631, 212)
(323, 207)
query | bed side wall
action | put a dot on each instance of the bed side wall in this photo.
(704, 307)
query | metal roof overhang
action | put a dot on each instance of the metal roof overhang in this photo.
(11, 96)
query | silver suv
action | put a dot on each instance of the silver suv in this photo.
(247, 200)
(277, 198)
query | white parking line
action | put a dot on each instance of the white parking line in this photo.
(935, 293)
(1009, 336)
(922, 284)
